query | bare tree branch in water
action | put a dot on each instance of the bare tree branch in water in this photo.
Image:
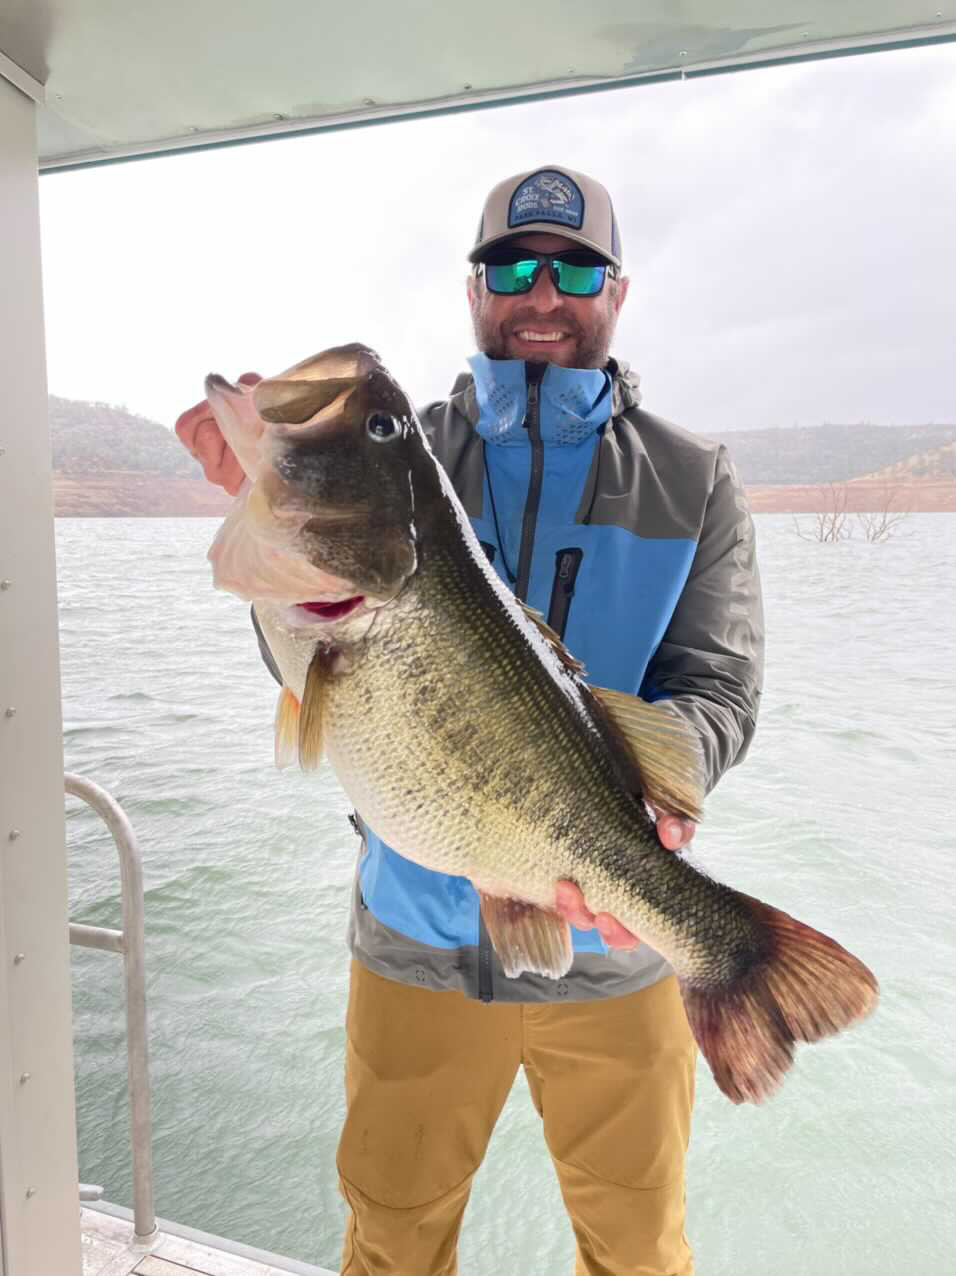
(879, 525)
(830, 523)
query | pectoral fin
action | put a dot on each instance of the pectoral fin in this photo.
(312, 712)
(665, 749)
(526, 937)
(287, 729)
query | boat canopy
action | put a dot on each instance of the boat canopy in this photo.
(119, 80)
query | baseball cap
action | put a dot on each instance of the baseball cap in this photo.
(555, 200)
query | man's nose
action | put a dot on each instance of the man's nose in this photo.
(544, 296)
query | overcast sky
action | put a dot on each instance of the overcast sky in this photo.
(789, 234)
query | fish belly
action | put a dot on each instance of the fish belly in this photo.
(445, 777)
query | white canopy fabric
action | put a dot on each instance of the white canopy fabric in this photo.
(121, 78)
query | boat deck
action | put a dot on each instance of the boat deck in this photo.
(109, 1250)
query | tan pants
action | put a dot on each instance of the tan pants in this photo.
(427, 1074)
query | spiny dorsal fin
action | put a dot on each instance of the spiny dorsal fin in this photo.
(666, 750)
(526, 937)
(287, 729)
(552, 639)
(312, 714)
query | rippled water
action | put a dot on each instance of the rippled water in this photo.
(842, 815)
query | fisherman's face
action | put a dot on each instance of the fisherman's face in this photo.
(545, 325)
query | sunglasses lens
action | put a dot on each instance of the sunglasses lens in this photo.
(579, 280)
(577, 274)
(511, 277)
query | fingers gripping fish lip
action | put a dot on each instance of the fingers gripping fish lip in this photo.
(242, 427)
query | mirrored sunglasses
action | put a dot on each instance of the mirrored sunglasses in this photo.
(577, 273)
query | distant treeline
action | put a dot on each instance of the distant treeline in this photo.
(95, 438)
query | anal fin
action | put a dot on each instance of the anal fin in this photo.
(526, 937)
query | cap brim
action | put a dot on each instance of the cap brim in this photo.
(541, 228)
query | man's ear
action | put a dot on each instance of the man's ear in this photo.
(622, 286)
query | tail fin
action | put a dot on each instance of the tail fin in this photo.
(804, 988)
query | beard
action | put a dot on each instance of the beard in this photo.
(592, 343)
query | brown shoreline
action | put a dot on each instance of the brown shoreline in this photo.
(858, 496)
(128, 495)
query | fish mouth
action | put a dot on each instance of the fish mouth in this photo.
(332, 610)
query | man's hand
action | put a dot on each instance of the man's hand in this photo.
(199, 433)
(674, 833)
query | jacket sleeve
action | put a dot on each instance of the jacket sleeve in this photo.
(709, 664)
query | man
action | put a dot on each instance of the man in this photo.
(633, 538)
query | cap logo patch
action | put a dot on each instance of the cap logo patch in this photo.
(547, 196)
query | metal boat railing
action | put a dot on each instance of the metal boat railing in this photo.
(130, 943)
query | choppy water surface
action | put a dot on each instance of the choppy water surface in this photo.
(842, 815)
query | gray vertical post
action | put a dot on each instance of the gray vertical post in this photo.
(39, 1206)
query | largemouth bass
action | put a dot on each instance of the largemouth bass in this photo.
(465, 733)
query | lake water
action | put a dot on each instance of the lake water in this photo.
(842, 815)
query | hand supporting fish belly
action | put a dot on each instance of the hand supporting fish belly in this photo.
(466, 734)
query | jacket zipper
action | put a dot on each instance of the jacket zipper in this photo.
(486, 987)
(533, 425)
(567, 563)
(534, 372)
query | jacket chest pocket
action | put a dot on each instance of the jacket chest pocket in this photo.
(567, 564)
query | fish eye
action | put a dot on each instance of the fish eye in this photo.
(381, 427)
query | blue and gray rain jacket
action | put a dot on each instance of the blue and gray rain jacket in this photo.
(633, 538)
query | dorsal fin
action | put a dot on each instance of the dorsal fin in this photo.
(665, 749)
(552, 639)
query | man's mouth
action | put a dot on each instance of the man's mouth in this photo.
(333, 611)
(527, 334)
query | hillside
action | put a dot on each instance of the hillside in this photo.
(833, 453)
(91, 437)
(108, 461)
(937, 463)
